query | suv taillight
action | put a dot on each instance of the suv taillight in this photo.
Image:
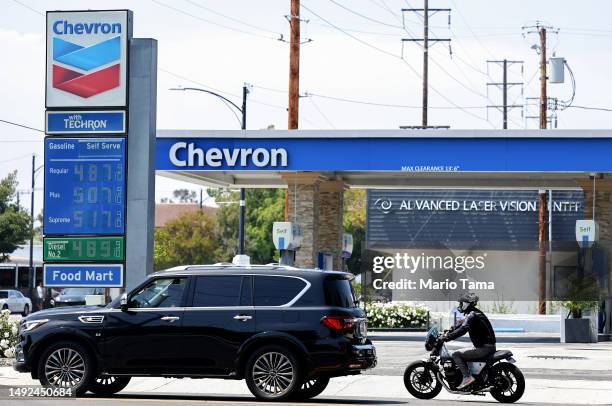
(338, 323)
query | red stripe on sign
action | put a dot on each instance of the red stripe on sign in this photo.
(86, 85)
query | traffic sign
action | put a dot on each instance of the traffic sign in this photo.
(84, 249)
(83, 275)
(85, 122)
(84, 186)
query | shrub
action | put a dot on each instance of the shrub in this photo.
(397, 315)
(8, 335)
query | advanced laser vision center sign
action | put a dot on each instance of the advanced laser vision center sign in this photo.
(87, 58)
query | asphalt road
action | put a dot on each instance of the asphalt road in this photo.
(179, 399)
(393, 357)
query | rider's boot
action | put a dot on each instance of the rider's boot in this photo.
(467, 381)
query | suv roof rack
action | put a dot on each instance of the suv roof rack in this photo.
(273, 265)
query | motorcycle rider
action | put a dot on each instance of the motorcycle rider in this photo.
(481, 333)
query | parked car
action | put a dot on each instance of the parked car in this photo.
(284, 330)
(15, 301)
(74, 296)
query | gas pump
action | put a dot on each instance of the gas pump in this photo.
(347, 249)
(287, 238)
(587, 235)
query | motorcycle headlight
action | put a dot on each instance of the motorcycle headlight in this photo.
(32, 324)
(52, 302)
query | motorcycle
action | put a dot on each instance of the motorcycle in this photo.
(496, 374)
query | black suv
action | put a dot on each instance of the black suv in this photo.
(284, 330)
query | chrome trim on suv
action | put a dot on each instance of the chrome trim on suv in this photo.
(91, 319)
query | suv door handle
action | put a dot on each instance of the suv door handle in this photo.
(170, 318)
(242, 317)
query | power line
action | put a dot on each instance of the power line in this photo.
(361, 15)
(368, 103)
(21, 125)
(227, 27)
(229, 17)
(487, 50)
(15, 159)
(251, 100)
(28, 7)
(218, 90)
(589, 108)
(320, 112)
(449, 101)
(401, 106)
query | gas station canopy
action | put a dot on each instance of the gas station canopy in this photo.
(386, 158)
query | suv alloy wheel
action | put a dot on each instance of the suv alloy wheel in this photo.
(66, 365)
(273, 373)
(108, 385)
(312, 388)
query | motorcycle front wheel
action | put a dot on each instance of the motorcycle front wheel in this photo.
(421, 380)
(508, 382)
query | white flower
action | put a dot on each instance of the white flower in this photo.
(4, 344)
(10, 353)
(7, 334)
(14, 329)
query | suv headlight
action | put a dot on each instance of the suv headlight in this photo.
(32, 324)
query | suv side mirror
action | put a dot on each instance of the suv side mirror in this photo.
(124, 302)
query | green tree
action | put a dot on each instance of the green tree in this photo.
(354, 222)
(185, 195)
(262, 208)
(15, 223)
(189, 239)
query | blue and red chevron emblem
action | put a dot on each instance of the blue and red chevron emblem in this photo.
(96, 73)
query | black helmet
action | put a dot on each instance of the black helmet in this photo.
(467, 301)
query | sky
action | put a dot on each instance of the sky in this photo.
(353, 55)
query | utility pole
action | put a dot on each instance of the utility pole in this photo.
(543, 95)
(505, 86)
(542, 239)
(505, 95)
(32, 274)
(426, 12)
(544, 103)
(543, 219)
(245, 92)
(425, 60)
(542, 235)
(294, 78)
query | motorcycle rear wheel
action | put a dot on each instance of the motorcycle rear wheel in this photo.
(509, 383)
(421, 380)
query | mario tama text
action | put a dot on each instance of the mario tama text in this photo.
(442, 273)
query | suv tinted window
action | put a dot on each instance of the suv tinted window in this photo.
(339, 293)
(165, 292)
(276, 290)
(218, 291)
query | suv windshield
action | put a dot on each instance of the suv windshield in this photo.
(339, 292)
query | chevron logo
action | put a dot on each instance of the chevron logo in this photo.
(86, 71)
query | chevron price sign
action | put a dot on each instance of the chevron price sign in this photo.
(87, 58)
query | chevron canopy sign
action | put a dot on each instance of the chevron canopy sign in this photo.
(87, 58)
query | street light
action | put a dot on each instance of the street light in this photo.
(242, 110)
(31, 273)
